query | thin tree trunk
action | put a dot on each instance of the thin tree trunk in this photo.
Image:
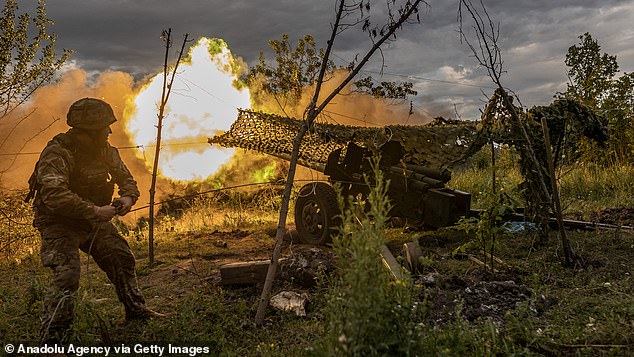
(157, 151)
(167, 88)
(281, 228)
(281, 225)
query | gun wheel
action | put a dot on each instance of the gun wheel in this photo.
(316, 213)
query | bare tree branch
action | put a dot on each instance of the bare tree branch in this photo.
(488, 55)
(167, 89)
(15, 158)
(310, 114)
(392, 29)
(10, 133)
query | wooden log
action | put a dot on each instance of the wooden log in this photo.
(244, 273)
(486, 266)
(496, 259)
(412, 255)
(391, 264)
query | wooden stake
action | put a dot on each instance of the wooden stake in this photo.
(565, 242)
(391, 263)
(161, 114)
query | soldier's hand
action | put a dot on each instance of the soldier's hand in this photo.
(124, 205)
(105, 213)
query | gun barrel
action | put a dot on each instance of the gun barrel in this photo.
(418, 180)
(443, 175)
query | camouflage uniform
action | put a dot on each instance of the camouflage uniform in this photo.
(70, 182)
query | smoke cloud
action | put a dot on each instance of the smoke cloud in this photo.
(27, 130)
(31, 126)
(350, 108)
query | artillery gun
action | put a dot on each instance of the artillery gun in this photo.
(414, 158)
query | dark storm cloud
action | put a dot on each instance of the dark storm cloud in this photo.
(535, 35)
(125, 34)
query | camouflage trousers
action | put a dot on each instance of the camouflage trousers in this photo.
(59, 252)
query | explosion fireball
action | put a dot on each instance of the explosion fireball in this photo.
(205, 97)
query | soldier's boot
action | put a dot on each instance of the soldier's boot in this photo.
(55, 334)
(144, 314)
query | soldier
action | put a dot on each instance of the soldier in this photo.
(73, 184)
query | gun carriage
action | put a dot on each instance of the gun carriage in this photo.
(415, 159)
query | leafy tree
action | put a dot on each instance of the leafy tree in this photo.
(590, 72)
(619, 109)
(593, 82)
(296, 68)
(26, 62)
(393, 90)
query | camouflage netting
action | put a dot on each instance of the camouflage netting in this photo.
(569, 123)
(437, 145)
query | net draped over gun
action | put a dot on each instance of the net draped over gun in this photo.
(436, 145)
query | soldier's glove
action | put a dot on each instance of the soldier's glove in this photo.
(123, 205)
(105, 213)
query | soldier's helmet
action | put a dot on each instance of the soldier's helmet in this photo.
(90, 114)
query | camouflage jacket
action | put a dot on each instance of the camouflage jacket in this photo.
(70, 183)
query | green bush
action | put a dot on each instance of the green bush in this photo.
(367, 313)
(18, 239)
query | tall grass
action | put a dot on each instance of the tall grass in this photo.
(225, 210)
(476, 177)
(590, 188)
(584, 189)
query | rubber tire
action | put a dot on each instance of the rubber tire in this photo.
(317, 213)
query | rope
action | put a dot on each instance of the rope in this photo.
(116, 147)
(223, 189)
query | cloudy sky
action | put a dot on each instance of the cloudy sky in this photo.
(535, 35)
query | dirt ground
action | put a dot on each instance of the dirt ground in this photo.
(480, 296)
(618, 216)
(476, 294)
(179, 272)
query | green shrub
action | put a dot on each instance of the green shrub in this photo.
(18, 239)
(367, 313)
